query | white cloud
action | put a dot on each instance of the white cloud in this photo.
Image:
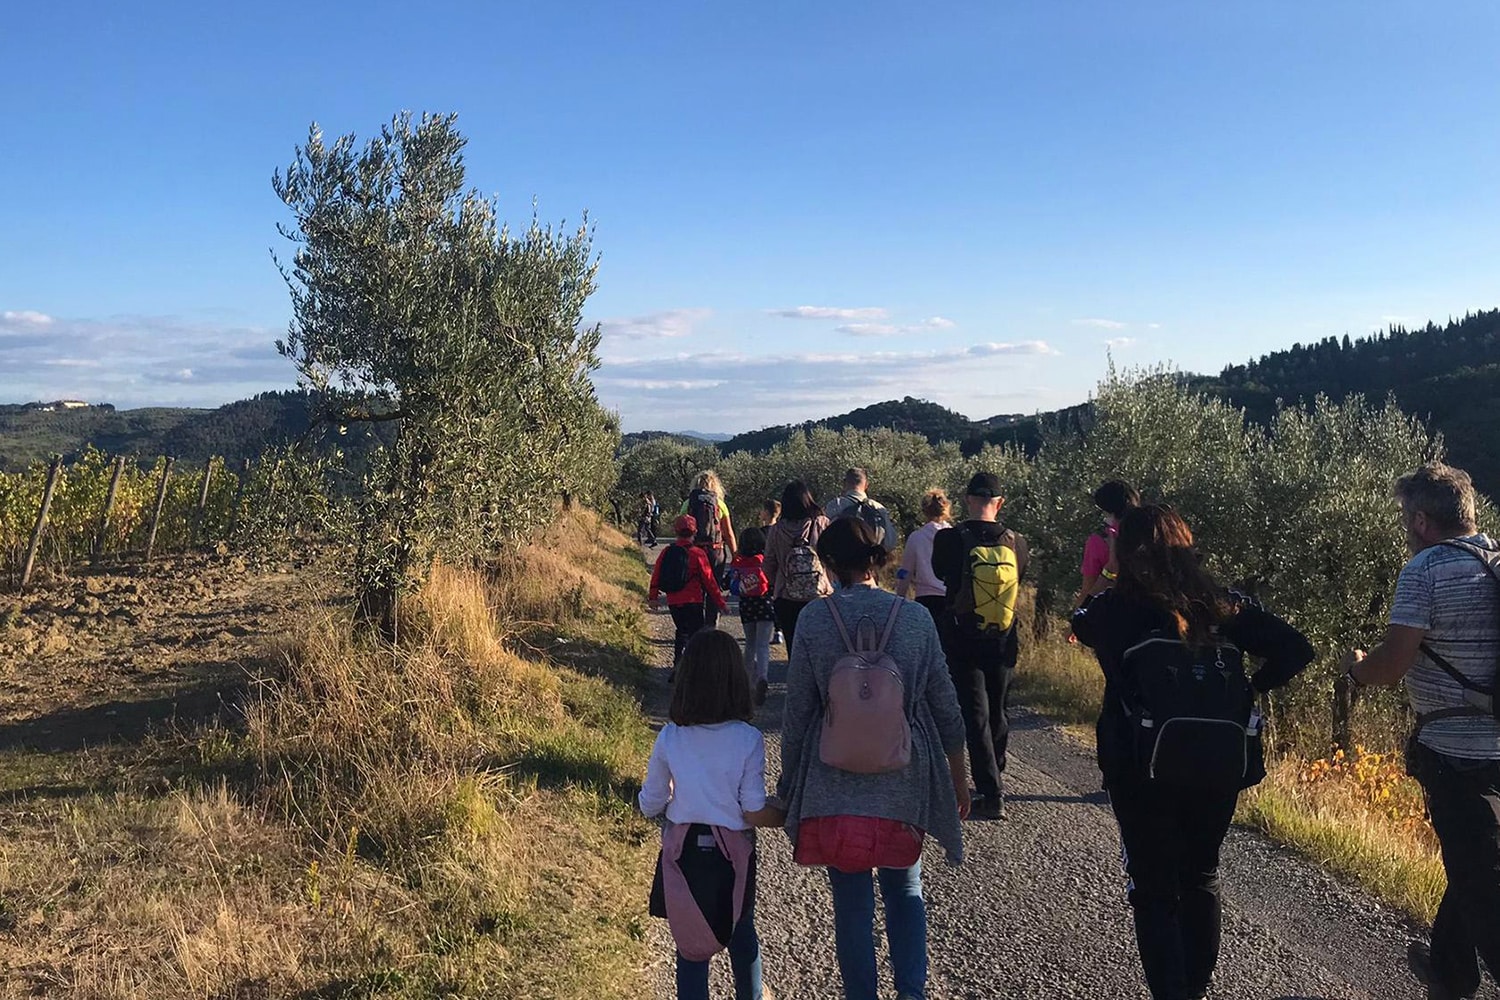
(733, 389)
(1101, 324)
(1153, 326)
(25, 317)
(830, 312)
(652, 326)
(138, 361)
(892, 329)
(1119, 343)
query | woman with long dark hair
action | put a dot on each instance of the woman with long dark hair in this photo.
(1178, 733)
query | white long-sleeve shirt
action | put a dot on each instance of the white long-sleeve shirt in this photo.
(916, 562)
(710, 774)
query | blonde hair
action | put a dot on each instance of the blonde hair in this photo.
(936, 506)
(708, 479)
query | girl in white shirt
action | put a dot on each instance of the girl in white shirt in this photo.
(708, 770)
(916, 578)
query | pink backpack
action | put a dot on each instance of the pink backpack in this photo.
(865, 729)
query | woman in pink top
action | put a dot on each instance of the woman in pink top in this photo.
(916, 578)
(1113, 498)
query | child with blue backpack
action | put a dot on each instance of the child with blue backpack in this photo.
(706, 777)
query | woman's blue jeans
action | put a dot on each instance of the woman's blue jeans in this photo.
(744, 962)
(905, 930)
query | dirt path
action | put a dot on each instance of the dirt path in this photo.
(1038, 908)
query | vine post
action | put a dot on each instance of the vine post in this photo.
(161, 499)
(41, 520)
(208, 478)
(109, 505)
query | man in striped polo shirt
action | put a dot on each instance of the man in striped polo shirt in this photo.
(1445, 621)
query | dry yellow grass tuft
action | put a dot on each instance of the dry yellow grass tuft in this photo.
(449, 816)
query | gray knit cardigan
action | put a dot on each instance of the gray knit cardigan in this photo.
(922, 793)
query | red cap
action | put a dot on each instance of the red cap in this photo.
(687, 524)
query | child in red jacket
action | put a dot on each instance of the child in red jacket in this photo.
(683, 573)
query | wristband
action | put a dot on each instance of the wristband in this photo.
(1109, 575)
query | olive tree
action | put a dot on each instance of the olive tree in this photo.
(412, 304)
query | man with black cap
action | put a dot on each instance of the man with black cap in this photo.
(981, 562)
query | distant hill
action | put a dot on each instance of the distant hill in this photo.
(236, 431)
(1447, 374)
(918, 416)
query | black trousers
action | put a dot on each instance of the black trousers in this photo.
(982, 665)
(1171, 840)
(710, 609)
(937, 606)
(689, 620)
(786, 619)
(1463, 799)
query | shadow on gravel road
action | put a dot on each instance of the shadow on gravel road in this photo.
(1099, 798)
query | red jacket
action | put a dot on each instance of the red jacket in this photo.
(700, 579)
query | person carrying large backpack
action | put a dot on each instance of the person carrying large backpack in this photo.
(792, 565)
(1443, 640)
(855, 502)
(683, 574)
(872, 760)
(981, 562)
(715, 536)
(1178, 733)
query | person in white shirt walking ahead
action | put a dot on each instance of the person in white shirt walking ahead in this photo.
(916, 578)
(707, 777)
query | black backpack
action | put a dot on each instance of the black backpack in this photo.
(704, 506)
(1482, 700)
(676, 571)
(870, 514)
(1192, 714)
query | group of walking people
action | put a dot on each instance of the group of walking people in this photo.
(894, 705)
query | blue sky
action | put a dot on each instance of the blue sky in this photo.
(800, 208)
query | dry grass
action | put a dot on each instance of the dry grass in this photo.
(1361, 816)
(449, 817)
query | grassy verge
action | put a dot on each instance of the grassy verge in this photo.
(450, 817)
(1360, 816)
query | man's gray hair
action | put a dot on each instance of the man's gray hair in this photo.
(1445, 494)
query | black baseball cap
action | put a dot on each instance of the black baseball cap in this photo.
(984, 484)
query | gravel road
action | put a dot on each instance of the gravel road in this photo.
(1038, 907)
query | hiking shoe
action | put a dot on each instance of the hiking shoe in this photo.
(1419, 960)
(988, 807)
(761, 687)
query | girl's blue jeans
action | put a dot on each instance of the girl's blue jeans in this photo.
(905, 929)
(744, 963)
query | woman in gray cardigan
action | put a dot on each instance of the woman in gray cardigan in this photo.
(880, 812)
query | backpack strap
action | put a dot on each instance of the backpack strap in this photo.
(890, 623)
(838, 620)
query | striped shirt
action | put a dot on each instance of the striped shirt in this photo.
(1450, 595)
